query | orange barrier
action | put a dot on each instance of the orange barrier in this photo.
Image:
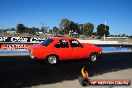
(15, 46)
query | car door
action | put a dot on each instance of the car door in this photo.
(62, 49)
(77, 50)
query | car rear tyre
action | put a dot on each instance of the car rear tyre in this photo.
(52, 59)
(93, 57)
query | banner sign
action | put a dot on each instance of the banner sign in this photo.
(14, 46)
(21, 39)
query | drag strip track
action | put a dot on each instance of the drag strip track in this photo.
(21, 71)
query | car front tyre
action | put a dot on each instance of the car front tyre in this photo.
(52, 60)
(93, 57)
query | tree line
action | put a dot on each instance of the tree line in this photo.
(67, 26)
(86, 29)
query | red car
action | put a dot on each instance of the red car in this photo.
(62, 48)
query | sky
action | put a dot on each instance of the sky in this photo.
(34, 13)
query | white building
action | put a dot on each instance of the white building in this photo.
(11, 32)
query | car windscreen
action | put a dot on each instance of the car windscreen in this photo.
(46, 42)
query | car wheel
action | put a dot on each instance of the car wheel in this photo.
(52, 59)
(93, 57)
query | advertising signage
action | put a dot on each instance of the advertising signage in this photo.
(21, 39)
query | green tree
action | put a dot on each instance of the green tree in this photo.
(73, 27)
(33, 30)
(103, 29)
(68, 26)
(65, 25)
(45, 29)
(55, 30)
(80, 29)
(88, 29)
(50, 31)
(61, 32)
(12, 29)
(21, 28)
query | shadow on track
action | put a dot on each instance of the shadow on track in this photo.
(20, 71)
